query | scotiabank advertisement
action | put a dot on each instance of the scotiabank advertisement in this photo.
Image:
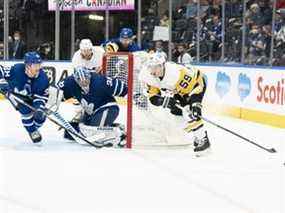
(246, 87)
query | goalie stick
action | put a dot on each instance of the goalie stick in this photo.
(57, 119)
(271, 150)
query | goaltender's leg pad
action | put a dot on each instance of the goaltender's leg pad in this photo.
(113, 135)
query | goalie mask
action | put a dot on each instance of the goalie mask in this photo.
(82, 76)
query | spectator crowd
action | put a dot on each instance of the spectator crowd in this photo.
(258, 31)
(31, 17)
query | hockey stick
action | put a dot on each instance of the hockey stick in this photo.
(60, 121)
(271, 150)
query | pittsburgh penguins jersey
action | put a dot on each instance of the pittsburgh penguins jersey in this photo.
(94, 63)
(177, 79)
(102, 91)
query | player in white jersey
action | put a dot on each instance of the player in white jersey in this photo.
(88, 56)
(187, 87)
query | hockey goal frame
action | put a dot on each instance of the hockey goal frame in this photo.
(130, 90)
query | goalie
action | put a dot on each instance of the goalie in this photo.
(187, 87)
(96, 94)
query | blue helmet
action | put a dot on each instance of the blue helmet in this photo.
(81, 74)
(126, 33)
(32, 58)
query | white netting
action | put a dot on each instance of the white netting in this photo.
(149, 128)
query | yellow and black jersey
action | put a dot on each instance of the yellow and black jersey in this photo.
(177, 79)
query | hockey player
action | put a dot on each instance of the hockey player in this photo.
(30, 81)
(88, 56)
(96, 94)
(187, 87)
(124, 43)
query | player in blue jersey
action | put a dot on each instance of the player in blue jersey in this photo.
(124, 43)
(96, 94)
(30, 81)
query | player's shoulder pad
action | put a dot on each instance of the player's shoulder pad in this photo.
(76, 56)
(99, 49)
(17, 69)
(134, 47)
(19, 66)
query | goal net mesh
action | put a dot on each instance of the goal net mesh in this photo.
(145, 124)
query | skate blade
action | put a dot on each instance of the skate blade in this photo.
(204, 153)
(38, 144)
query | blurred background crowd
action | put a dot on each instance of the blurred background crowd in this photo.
(253, 35)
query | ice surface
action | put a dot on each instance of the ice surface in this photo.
(65, 177)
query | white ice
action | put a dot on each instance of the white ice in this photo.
(65, 177)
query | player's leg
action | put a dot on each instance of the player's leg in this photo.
(102, 123)
(29, 124)
(196, 125)
(104, 116)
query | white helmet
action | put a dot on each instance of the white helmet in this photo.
(85, 44)
(155, 60)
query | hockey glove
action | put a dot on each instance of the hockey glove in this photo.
(165, 102)
(176, 111)
(4, 86)
(196, 110)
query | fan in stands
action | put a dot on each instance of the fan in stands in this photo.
(186, 88)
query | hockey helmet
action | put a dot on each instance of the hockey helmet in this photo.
(85, 44)
(155, 60)
(126, 33)
(111, 47)
(32, 58)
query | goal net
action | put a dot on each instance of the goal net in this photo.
(146, 125)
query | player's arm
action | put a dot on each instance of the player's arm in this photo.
(41, 93)
(66, 85)
(114, 87)
(154, 95)
(157, 99)
(5, 75)
(200, 85)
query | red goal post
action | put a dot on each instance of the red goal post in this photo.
(120, 65)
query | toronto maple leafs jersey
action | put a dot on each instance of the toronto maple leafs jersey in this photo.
(102, 90)
(132, 47)
(20, 83)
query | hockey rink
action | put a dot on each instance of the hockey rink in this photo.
(65, 177)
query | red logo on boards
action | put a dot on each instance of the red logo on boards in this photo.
(271, 93)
